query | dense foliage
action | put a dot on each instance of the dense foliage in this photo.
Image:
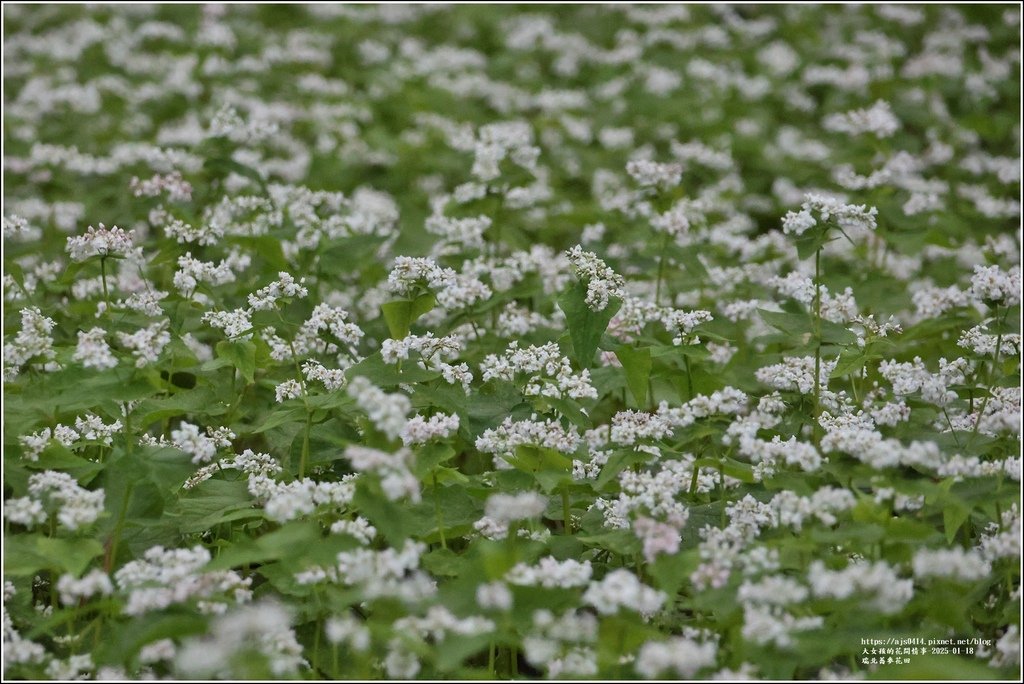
(474, 342)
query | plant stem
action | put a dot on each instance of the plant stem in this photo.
(103, 277)
(115, 538)
(305, 444)
(661, 269)
(689, 378)
(817, 347)
(490, 661)
(995, 365)
(566, 514)
(437, 512)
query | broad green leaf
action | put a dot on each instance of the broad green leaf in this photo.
(26, 554)
(400, 314)
(585, 325)
(241, 354)
(636, 362)
(383, 374)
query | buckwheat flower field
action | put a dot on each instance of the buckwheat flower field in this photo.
(490, 342)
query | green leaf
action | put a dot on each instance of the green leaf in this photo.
(394, 519)
(214, 502)
(198, 402)
(954, 514)
(792, 324)
(281, 417)
(288, 541)
(622, 542)
(671, 571)
(26, 554)
(242, 355)
(386, 375)
(550, 468)
(637, 364)
(812, 240)
(400, 314)
(443, 563)
(429, 457)
(585, 325)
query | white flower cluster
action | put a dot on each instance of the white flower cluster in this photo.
(360, 529)
(956, 563)
(146, 343)
(681, 656)
(332, 379)
(18, 228)
(93, 351)
(285, 286)
(651, 494)
(261, 629)
(796, 374)
(621, 589)
(202, 448)
(33, 342)
(420, 430)
(550, 434)
(347, 630)
(978, 340)
(559, 644)
(89, 428)
(176, 229)
(772, 590)
(33, 444)
(387, 412)
(502, 509)
(176, 187)
(393, 469)
(792, 510)
(878, 120)
(284, 501)
(772, 625)
(550, 374)
(454, 291)
(496, 141)
(846, 216)
(650, 173)
(435, 352)
(439, 623)
(517, 321)
(837, 308)
(392, 573)
(993, 285)
(657, 537)
(102, 242)
(1002, 539)
(875, 585)
(289, 389)
(550, 573)
(147, 302)
(53, 492)
(602, 282)
(310, 338)
(682, 323)
(460, 233)
(913, 377)
(191, 272)
(235, 324)
(73, 589)
(493, 596)
(165, 577)
(17, 649)
(258, 465)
